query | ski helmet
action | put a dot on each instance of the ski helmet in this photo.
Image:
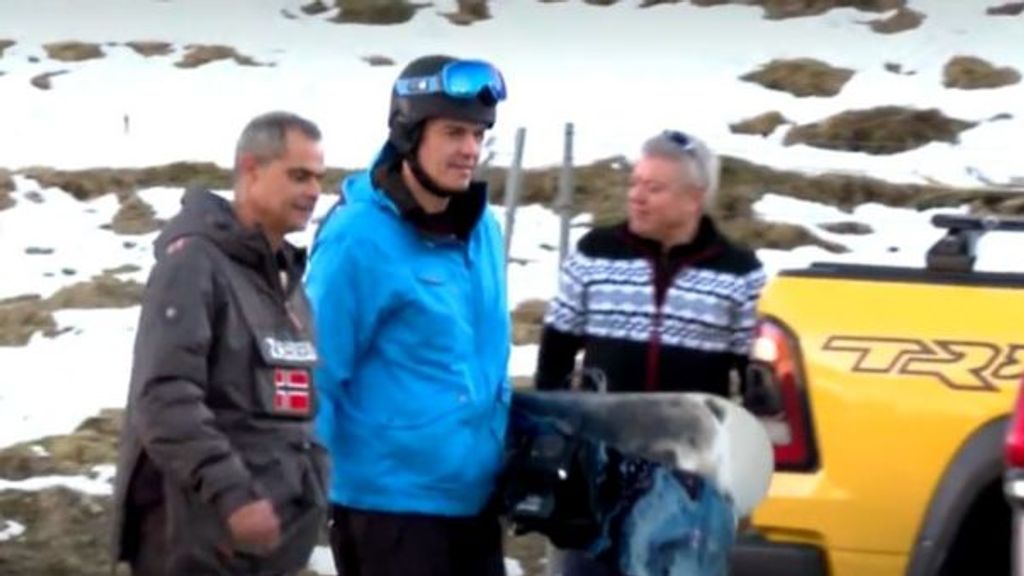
(440, 86)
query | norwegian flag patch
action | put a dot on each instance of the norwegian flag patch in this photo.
(291, 391)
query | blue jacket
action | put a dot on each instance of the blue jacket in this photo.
(414, 337)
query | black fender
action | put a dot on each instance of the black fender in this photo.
(977, 464)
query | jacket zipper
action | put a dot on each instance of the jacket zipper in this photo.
(658, 272)
(663, 277)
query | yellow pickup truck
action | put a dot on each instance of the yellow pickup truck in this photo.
(886, 391)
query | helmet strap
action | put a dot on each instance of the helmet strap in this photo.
(428, 183)
(412, 158)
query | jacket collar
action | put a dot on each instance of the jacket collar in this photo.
(459, 218)
(206, 214)
(706, 242)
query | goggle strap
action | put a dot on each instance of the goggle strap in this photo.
(419, 85)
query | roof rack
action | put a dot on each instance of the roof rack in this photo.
(956, 251)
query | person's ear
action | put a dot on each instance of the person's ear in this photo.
(247, 164)
(695, 199)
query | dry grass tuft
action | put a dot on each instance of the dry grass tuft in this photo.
(971, 73)
(801, 77)
(73, 51)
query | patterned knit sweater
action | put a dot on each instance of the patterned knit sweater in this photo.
(680, 320)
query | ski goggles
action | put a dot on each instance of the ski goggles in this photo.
(459, 79)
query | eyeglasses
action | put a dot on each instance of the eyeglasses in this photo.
(688, 146)
(680, 138)
(459, 79)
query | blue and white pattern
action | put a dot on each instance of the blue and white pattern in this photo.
(704, 309)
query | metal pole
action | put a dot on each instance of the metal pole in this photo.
(563, 202)
(512, 183)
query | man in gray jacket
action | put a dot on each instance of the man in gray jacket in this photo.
(218, 471)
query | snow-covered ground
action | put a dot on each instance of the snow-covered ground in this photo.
(618, 73)
(98, 482)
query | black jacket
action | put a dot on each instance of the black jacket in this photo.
(680, 320)
(221, 399)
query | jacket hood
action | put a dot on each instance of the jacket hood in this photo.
(206, 214)
(359, 187)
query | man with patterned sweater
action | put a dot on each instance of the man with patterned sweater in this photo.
(662, 301)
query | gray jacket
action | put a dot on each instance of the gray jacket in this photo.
(221, 399)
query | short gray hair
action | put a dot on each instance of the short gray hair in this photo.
(704, 165)
(264, 136)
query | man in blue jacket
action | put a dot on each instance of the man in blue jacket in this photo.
(407, 283)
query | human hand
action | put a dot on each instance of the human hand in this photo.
(255, 527)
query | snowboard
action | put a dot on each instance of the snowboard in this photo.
(710, 436)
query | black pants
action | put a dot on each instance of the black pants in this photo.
(150, 559)
(380, 544)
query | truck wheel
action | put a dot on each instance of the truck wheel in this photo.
(982, 543)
